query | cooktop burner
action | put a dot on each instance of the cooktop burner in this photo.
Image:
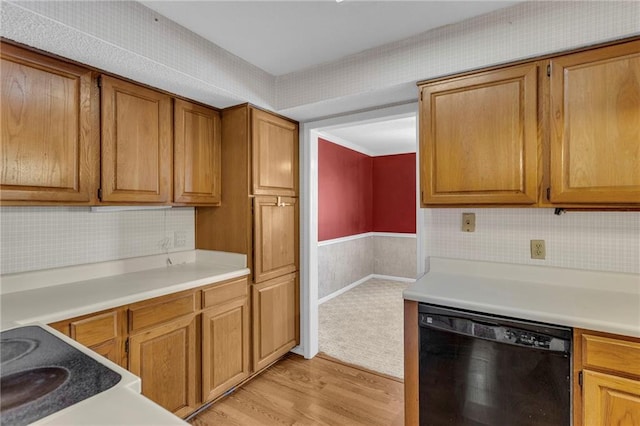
(41, 374)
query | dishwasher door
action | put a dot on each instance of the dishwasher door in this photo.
(478, 369)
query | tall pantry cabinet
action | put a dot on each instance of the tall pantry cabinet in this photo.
(258, 216)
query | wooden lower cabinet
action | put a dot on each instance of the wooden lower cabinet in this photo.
(275, 319)
(191, 347)
(610, 400)
(165, 358)
(103, 333)
(609, 392)
(225, 347)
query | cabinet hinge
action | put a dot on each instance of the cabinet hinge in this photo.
(99, 81)
(126, 346)
(100, 194)
(549, 70)
(420, 95)
(548, 193)
(580, 378)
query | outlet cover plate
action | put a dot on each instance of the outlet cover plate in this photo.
(538, 250)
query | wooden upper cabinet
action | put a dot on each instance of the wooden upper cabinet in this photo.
(275, 237)
(274, 144)
(595, 126)
(49, 153)
(196, 160)
(137, 133)
(478, 138)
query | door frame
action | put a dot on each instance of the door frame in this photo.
(309, 133)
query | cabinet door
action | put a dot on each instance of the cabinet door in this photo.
(196, 161)
(478, 138)
(595, 132)
(101, 332)
(165, 359)
(225, 347)
(48, 149)
(610, 400)
(275, 237)
(274, 143)
(275, 319)
(137, 133)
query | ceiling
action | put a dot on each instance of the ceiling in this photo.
(282, 37)
(393, 136)
(287, 36)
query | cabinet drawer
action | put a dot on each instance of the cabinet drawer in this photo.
(95, 330)
(162, 310)
(224, 292)
(611, 354)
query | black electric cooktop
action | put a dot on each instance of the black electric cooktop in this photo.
(41, 374)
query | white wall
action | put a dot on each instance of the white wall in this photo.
(603, 241)
(128, 39)
(33, 238)
(123, 37)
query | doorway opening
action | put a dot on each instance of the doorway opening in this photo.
(315, 245)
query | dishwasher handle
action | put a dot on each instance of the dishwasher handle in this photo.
(501, 333)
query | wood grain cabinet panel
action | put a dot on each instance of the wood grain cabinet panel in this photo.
(275, 319)
(49, 151)
(479, 140)
(610, 400)
(156, 311)
(137, 140)
(275, 234)
(196, 160)
(225, 347)
(274, 142)
(224, 292)
(103, 333)
(595, 132)
(606, 379)
(258, 217)
(615, 355)
(165, 358)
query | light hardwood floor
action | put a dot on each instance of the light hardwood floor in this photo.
(320, 391)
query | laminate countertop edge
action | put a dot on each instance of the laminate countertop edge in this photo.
(599, 301)
(123, 404)
(59, 302)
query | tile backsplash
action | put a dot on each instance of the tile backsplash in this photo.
(603, 241)
(33, 238)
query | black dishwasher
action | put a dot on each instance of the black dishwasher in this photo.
(478, 369)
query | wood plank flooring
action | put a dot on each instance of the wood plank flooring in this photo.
(319, 391)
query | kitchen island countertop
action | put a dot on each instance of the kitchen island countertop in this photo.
(593, 300)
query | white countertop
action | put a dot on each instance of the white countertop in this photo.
(42, 297)
(601, 301)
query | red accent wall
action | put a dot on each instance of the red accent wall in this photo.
(358, 193)
(394, 193)
(345, 193)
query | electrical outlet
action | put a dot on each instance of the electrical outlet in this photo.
(468, 222)
(165, 243)
(179, 238)
(537, 249)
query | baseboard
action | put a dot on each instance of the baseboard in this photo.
(344, 289)
(392, 278)
(360, 281)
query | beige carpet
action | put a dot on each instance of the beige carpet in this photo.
(364, 326)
